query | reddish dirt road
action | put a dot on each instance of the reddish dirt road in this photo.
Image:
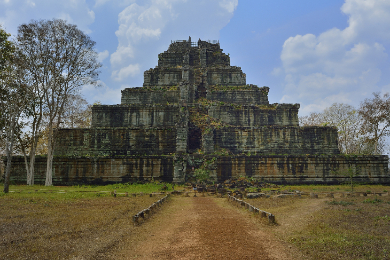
(200, 228)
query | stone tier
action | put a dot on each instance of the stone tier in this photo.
(147, 115)
(116, 141)
(222, 75)
(241, 95)
(144, 96)
(256, 116)
(277, 140)
(271, 168)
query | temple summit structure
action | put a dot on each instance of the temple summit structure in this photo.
(196, 111)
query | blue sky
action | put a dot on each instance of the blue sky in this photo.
(310, 52)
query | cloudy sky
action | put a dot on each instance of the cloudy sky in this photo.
(310, 52)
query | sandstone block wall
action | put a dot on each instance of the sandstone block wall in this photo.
(277, 140)
(97, 170)
(147, 115)
(270, 168)
(163, 77)
(305, 169)
(229, 75)
(142, 96)
(253, 116)
(115, 141)
(251, 95)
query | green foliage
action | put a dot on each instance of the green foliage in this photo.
(81, 191)
(350, 173)
(372, 201)
(7, 49)
(202, 174)
(341, 203)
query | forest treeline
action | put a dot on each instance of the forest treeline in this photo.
(42, 71)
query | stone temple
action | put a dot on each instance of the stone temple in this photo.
(194, 111)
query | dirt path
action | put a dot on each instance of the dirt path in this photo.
(201, 228)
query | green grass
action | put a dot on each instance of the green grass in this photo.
(361, 231)
(81, 191)
(373, 201)
(334, 188)
(342, 203)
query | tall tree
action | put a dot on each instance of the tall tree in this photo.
(60, 59)
(348, 122)
(13, 101)
(78, 113)
(376, 118)
(352, 133)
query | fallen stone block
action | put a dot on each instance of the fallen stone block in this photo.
(254, 195)
(271, 218)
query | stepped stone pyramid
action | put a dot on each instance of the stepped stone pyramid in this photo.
(196, 111)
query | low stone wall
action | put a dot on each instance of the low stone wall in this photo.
(97, 170)
(305, 169)
(272, 168)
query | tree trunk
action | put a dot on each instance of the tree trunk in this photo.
(30, 176)
(8, 168)
(25, 161)
(9, 149)
(49, 165)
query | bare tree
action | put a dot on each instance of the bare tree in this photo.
(61, 59)
(348, 122)
(77, 114)
(314, 119)
(353, 138)
(376, 119)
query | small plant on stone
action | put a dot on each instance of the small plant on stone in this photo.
(201, 174)
(350, 173)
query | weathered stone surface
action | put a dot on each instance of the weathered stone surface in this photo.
(98, 170)
(116, 141)
(155, 95)
(278, 140)
(304, 168)
(241, 95)
(254, 116)
(144, 116)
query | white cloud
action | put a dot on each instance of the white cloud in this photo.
(15, 12)
(104, 94)
(102, 55)
(229, 5)
(145, 29)
(338, 65)
(122, 54)
(123, 73)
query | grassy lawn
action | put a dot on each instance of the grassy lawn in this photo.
(84, 222)
(77, 222)
(356, 227)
